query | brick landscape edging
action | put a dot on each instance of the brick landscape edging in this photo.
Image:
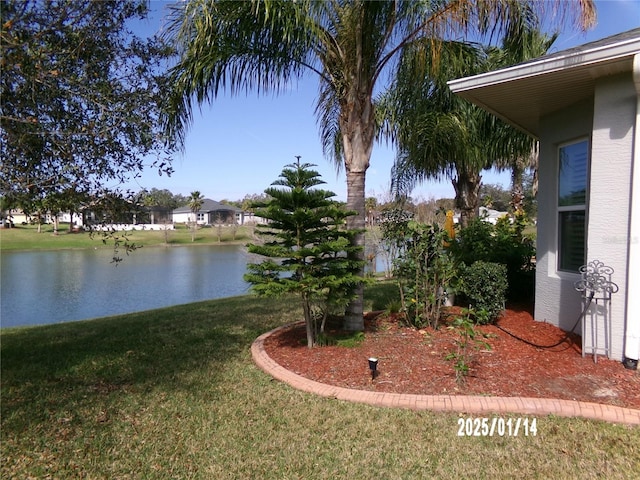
(468, 404)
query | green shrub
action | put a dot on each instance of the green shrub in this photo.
(474, 243)
(502, 243)
(465, 342)
(515, 250)
(394, 306)
(424, 269)
(484, 285)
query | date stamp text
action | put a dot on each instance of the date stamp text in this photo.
(497, 427)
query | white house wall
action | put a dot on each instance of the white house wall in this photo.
(557, 301)
(67, 217)
(610, 192)
(608, 121)
(632, 340)
(182, 217)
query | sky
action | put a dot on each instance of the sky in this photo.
(238, 145)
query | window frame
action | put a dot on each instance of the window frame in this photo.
(578, 207)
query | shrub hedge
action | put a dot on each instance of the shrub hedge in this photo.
(484, 285)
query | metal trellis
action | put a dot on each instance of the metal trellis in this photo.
(596, 287)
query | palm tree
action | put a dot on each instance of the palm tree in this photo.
(351, 46)
(195, 201)
(534, 44)
(439, 133)
(370, 205)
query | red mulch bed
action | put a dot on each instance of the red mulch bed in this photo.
(413, 361)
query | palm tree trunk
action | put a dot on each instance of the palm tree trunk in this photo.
(467, 187)
(357, 125)
(517, 194)
(353, 318)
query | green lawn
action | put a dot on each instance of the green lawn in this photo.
(173, 393)
(27, 237)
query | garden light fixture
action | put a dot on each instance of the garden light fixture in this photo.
(373, 366)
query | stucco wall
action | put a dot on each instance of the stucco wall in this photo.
(607, 119)
(182, 217)
(610, 191)
(557, 302)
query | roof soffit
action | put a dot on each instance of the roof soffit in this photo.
(522, 94)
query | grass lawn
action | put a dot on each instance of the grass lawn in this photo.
(26, 237)
(173, 393)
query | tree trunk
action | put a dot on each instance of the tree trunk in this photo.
(467, 187)
(353, 318)
(308, 320)
(517, 193)
(357, 128)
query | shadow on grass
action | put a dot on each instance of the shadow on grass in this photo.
(52, 369)
(380, 295)
(61, 367)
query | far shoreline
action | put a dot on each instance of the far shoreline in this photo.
(27, 239)
(231, 243)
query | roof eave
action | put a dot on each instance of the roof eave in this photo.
(546, 65)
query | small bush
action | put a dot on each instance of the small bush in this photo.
(484, 284)
(394, 306)
(502, 243)
(424, 268)
(466, 342)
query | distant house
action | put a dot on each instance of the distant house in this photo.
(253, 219)
(492, 216)
(210, 213)
(16, 217)
(75, 218)
(485, 214)
(139, 217)
(583, 105)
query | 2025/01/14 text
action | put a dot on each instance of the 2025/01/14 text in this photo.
(497, 426)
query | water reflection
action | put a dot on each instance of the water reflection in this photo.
(58, 286)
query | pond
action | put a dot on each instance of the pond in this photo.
(41, 287)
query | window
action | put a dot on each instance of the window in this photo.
(573, 167)
(200, 217)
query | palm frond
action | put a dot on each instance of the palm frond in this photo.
(234, 47)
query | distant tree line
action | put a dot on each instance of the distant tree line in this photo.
(492, 196)
(163, 198)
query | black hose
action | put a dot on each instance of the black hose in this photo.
(582, 314)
